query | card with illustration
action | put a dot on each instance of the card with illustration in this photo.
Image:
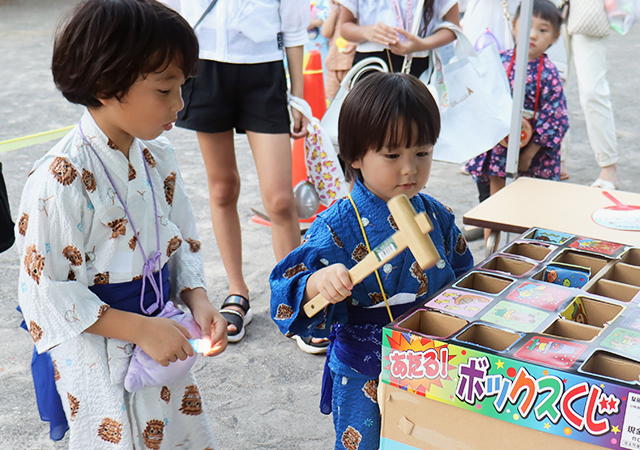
(624, 341)
(576, 312)
(551, 351)
(596, 246)
(460, 303)
(540, 295)
(515, 316)
(554, 237)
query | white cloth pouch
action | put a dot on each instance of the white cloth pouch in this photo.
(145, 372)
(474, 98)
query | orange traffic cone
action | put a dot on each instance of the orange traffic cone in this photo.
(314, 84)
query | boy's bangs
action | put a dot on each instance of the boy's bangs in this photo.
(405, 132)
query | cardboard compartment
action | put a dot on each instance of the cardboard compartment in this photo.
(615, 290)
(572, 330)
(577, 258)
(624, 273)
(593, 312)
(433, 323)
(488, 337)
(508, 265)
(482, 282)
(537, 252)
(612, 366)
(632, 256)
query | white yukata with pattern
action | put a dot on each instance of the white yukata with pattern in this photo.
(72, 233)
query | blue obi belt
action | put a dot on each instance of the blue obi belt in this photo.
(122, 296)
(357, 344)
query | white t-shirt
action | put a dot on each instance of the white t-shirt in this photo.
(246, 31)
(370, 12)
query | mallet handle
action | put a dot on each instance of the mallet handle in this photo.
(384, 252)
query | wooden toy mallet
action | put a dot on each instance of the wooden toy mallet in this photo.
(412, 233)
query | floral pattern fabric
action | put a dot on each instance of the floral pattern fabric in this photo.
(73, 233)
(551, 124)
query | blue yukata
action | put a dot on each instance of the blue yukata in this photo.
(354, 326)
(549, 128)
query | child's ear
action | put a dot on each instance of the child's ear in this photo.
(356, 164)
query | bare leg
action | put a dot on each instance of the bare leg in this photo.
(223, 178)
(272, 154)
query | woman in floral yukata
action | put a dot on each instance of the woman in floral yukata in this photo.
(106, 234)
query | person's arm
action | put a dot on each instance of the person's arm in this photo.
(440, 38)
(165, 340)
(527, 153)
(379, 33)
(329, 25)
(295, 56)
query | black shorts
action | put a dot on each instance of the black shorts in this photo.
(247, 97)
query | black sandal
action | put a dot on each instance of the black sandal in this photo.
(235, 318)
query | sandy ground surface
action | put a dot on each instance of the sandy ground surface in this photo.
(262, 393)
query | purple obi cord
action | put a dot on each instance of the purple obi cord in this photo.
(150, 264)
(358, 344)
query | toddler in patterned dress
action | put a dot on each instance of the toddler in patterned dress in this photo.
(544, 98)
(387, 127)
(107, 236)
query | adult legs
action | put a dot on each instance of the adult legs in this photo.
(223, 180)
(272, 154)
(590, 56)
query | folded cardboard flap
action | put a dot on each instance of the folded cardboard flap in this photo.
(590, 311)
(508, 265)
(614, 290)
(435, 425)
(533, 251)
(433, 323)
(572, 330)
(482, 282)
(624, 273)
(489, 337)
(612, 366)
(577, 258)
(632, 256)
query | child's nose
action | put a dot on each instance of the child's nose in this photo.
(178, 102)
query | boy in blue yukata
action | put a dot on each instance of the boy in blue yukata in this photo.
(387, 128)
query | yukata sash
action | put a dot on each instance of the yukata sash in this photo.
(357, 344)
(122, 296)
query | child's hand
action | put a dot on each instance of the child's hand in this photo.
(410, 44)
(210, 321)
(333, 282)
(165, 340)
(381, 33)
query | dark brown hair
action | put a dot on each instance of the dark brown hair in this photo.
(545, 10)
(105, 45)
(390, 110)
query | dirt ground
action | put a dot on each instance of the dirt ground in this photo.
(262, 393)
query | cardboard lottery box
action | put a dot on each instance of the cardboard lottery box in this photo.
(537, 346)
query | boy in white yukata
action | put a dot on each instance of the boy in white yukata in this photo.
(106, 233)
(387, 128)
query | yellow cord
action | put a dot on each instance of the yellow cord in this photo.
(366, 241)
